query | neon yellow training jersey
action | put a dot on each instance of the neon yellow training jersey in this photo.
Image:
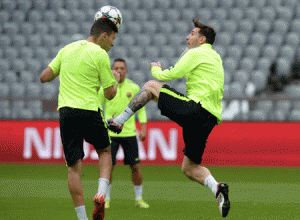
(117, 105)
(203, 68)
(82, 66)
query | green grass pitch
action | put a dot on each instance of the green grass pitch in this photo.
(41, 192)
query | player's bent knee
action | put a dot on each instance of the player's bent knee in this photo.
(154, 87)
(153, 84)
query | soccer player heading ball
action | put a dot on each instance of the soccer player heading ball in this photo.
(84, 67)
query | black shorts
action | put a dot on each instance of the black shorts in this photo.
(196, 122)
(79, 124)
(130, 148)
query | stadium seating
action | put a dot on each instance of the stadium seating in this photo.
(18, 65)
(8, 5)
(33, 91)
(236, 14)
(168, 52)
(24, 5)
(284, 105)
(10, 77)
(18, 16)
(251, 35)
(221, 50)
(292, 39)
(40, 5)
(283, 65)
(49, 91)
(131, 4)
(241, 76)
(4, 16)
(204, 15)
(258, 115)
(230, 64)
(292, 91)
(136, 52)
(248, 64)
(131, 64)
(215, 24)
(149, 4)
(279, 115)
(252, 51)
(268, 13)
(259, 79)
(236, 90)
(270, 51)
(230, 26)
(116, 3)
(241, 38)
(195, 3)
(188, 14)
(49, 16)
(294, 115)
(27, 77)
(152, 52)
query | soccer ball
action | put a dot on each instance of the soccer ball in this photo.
(110, 12)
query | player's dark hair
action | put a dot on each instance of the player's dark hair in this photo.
(103, 25)
(120, 60)
(205, 30)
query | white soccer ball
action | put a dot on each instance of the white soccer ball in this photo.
(110, 12)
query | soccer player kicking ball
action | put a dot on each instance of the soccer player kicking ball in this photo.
(197, 113)
(126, 91)
(82, 66)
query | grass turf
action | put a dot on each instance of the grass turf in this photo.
(41, 192)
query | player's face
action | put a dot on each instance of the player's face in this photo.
(194, 39)
(108, 41)
(120, 67)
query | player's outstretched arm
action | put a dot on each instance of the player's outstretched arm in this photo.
(48, 75)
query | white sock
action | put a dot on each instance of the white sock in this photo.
(108, 192)
(102, 186)
(211, 183)
(81, 213)
(124, 116)
(138, 190)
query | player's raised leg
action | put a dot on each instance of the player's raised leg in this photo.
(150, 91)
(202, 175)
(76, 191)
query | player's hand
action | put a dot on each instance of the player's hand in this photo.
(116, 75)
(142, 135)
(155, 64)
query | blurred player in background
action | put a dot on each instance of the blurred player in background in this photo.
(126, 91)
(82, 66)
(197, 113)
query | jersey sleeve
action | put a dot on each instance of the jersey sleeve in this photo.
(56, 62)
(106, 76)
(182, 68)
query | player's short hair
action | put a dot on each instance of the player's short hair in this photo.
(205, 30)
(103, 25)
(120, 60)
